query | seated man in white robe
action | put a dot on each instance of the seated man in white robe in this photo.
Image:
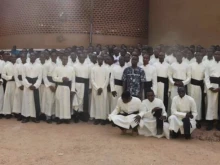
(124, 113)
(64, 76)
(183, 116)
(152, 116)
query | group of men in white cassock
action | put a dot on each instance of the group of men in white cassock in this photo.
(110, 84)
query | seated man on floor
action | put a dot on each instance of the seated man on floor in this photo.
(152, 116)
(123, 115)
(183, 116)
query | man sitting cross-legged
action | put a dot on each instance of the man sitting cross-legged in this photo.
(123, 115)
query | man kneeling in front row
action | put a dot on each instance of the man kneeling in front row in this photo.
(152, 116)
(124, 114)
(183, 116)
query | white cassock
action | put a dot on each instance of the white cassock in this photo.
(180, 107)
(170, 59)
(206, 61)
(180, 71)
(99, 103)
(212, 70)
(116, 84)
(162, 80)
(131, 108)
(30, 71)
(195, 89)
(8, 75)
(148, 125)
(151, 76)
(42, 86)
(2, 64)
(18, 95)
(48, 97)
(82, 73)
(91, 65)
(62, 96)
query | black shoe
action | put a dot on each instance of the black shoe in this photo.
(66, 121)
(103, 122)
(1, 116)
(174, 135)
(49, 121)
(76, 120)
(8, 116)
(59, 121)
(35, 120)
(187, 136)
(19, 117)
(96, 122)
(210, 126)
(25, 120)
(198, 125)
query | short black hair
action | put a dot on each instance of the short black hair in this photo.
(126, 95)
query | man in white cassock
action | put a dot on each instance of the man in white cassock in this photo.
(154, 57)
(150, 74)
(151, 117)
(184, 112)
(212, 81)
(116, 82)
(48, 97)
(82, 73)
(99, 82)
(8, 74)
(32, 78)
(196, 87)
(64, 76)
(18, 95)
(179, 75)
(162, 68)
(125, 112)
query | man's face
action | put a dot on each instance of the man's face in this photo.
(161, 56)
(32, 57)
(81, 58)
(73, 57)
(42, 58)
(181, 92)
(210, 52)
(199, 57)
(121, 61)
(126, 100)
(146, 59)
(150, 96)
(100, 60)
(13, 59)
(54, 57)
(64, 60)
(179, 57)
(127, 58)
(23, 58)
(134, 60)
(217, 56)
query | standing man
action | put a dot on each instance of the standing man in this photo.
(116, 82)
(64, 76)
(212, 80)
(82, 72)
(196, 87)
(179, 74)
(134, 78)
(18, 95)
(183, 116)
(162, 68)
(8, 74)
(32, 78)
(48, 97)
(99, 81)
(150, 74)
